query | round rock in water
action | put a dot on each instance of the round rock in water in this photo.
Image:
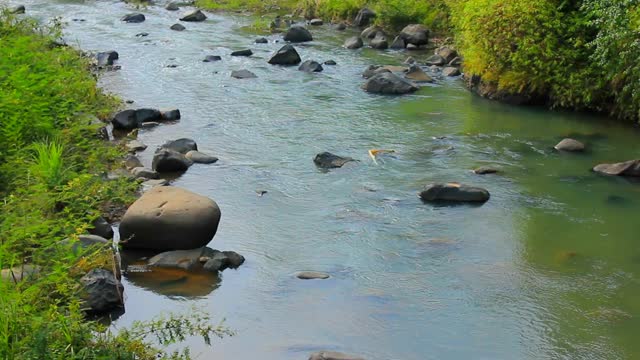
(310, 66)
(172, 6)
(569, 145)
(454, 192)
(387, 83)
(312, 275)
(328, 160)
(353, 43)
(287, 55)
(261, 41)
(169, 218)
(243, 74)
(170, 161)
(194, 16)
(297, 34)
(316, 22)
(484, 170)
(212, 58)
(415, 34)
(627, 168)
(245, 52)
(364, 17)
(133, 18)
(451, 71)
(379, 42)
(200, 158)
(178, 27)
(102, 292)
(183, 145)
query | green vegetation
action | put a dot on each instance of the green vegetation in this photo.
(576, 54)
(53, 184)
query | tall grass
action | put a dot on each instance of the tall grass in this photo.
(48, 163)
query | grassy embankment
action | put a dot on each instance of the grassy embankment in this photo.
(578, 54)
(52, 186)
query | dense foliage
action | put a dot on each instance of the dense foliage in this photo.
(52, 186)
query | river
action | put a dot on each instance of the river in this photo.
(548, 268)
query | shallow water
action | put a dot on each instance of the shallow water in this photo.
(548, 268)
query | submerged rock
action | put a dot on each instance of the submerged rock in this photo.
(388, 83)
(353, 43)
(178, 27)
(172, 6)
(181, 259)
(364, 17)
(330, 62)
(316, 22)
(200, 158)
(483, 170)
(332, 355)
(379, 42)
(415, 73)
(310, 66)
(144, 173)
(212, 58)
(222, 260)
(133, 18)
(415, 34)
(106, 58)
(169, 218)
(328, 160)
(170, 161)
(194, 16)
(243, 74)
(297, 34)
(170, 114)
(102, 292)
(312, 275)
(261, 41)
(372, 70)
(183, 145)
(341, 27)
(287, 55)
(245, 52)
(454, 192)
(569, 145)
(627, 168)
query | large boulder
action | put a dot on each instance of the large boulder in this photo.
(627, 168)
(133, 18)
(415, 34)
(131, 119)
(170, 161)
(297, 34)
(453, 192)
(102, 292)
(327, 160)
(569, 145)
(194, 16)
(332, 355)
(287, 55)
(183, 145)
(106, 58)
(447, 53)
(169, 218)
(353, 43)
(364, 17)
(398, 43)
(310, 66)
(379, 42)
(388, 83)
(371, 32)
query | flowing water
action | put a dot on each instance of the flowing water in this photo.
(548, 268)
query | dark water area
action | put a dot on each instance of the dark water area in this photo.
(548, 268)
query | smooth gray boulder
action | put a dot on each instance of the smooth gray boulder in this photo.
(106, 58)
(327, 160)
(415, 73)
(415, 34)
(132, 119)
(353, 43)
(181, 259)
(245, 52)
(287, 55)
(312, 275)
(436, 60)
(451, 71)
(243, 74)
(170, 114)
(332, 355)
(133, 18)
(222, 260)
(484, 170)
(131, 161)
(310, 66)
(170, 161)
(183, 145)
(178, 27)
(144, 173)
(387, 83)
(331, 62)
(371, 32)
(569, 145)
(453, 192)
(200, 158)
(101, 292)
(364, 17)
(100, 227)
(398, 43)
(316, 22)
(194, 16)
(169, 218)
(136, 145)
(379, 42)
(372, 70)
(447, 53)
(341, 27)
(297, 34)
(627, 168)
(172, 6)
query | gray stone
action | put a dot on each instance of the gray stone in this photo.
(483, 170)
(169, 161)
(200, 158)
(364, 17)
(136, 145)
(183, 145)
(371, 32)
(287, 55)
(144, 173)
(297, 34)
(415, 73)
(456, 62)
(212, 58)
(310, 66)
(627, 168)
(435, 60)
(181, 259)
(18, 273)
(327, 160)
(172, 6)
(261, 41)
(106, 58)
(316, 22)
(194, 16)
(388, 84)
(341, 27)
(569, 145)
(353, 43)
(447, 53)
(170, 114)
(453, 192)
(102, 228)
(102, 292)
(149, 184)
(243, 74)
(410, 60)
(312, 275)
(245, 52)
(178, 27)
(169, 218)
(415, 34)
(332, 355)
(451, 71)
(133, 18)
(398, 43)
(372, 70)
(142, 34)
(379, 42)
(330, 62)
(222, 260)
(20, 9)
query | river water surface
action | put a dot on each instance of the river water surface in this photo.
(548, 268)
